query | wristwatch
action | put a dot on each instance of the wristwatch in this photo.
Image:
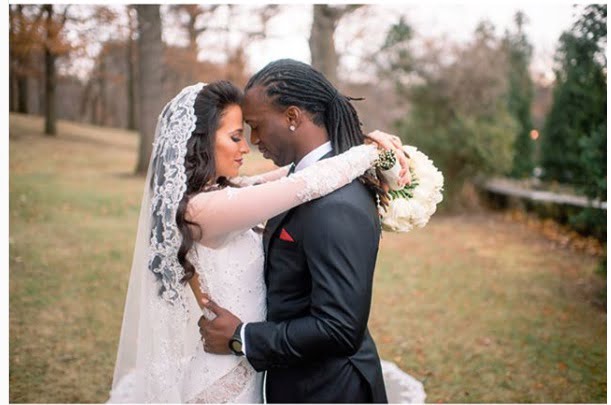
(235, 343)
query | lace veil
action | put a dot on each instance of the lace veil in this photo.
(160, 317)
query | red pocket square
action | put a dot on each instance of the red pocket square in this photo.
(284, 235)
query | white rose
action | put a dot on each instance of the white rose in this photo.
(397, 216)
(418, 215)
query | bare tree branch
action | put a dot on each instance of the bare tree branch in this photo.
(64, 16)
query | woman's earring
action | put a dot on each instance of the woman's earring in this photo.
(292, 128)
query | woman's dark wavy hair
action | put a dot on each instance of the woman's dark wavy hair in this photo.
(200, 166)
(291, 83)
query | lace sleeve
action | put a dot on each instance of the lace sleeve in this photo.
(234, 209)
(272, 175)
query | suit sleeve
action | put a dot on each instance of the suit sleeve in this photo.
(341, 243)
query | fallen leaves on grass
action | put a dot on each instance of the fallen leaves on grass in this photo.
(560, 234)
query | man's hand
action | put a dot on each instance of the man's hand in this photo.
(216, 333)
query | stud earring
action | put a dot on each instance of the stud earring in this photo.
(292, 128)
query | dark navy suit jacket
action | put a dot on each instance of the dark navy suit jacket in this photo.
(315, 344)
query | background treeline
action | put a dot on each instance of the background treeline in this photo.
(475, 106)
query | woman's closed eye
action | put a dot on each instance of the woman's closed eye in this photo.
(237, 136)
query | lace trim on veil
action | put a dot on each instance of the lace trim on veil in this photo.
(175, 125)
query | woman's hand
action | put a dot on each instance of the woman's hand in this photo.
(392, 142)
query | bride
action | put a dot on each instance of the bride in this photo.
(199, 146)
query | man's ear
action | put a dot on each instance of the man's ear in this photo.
(294, 116)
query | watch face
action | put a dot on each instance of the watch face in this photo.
(236, 345)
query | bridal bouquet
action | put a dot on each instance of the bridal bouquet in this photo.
(412, 205)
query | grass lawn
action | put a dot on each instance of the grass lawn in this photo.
(478, 307)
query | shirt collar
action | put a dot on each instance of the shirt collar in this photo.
(314, 156)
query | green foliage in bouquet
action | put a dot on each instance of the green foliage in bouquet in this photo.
(407, 191)
(386, 161)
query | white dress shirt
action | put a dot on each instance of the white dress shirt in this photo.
(314, 156)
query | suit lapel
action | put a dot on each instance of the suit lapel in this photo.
(272, 226)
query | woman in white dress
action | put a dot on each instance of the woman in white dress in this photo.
(198, 149)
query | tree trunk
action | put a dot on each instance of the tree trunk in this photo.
(12, 74)
(85, 111)
(22, 94)
(322, 44)
(12, 102)
(50, 118)
(131, 83)
(192, 33)
(95, 109)
(18, 81)
(40, 85)
(150, 55)
(103, 117)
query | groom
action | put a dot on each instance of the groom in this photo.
(319, 256)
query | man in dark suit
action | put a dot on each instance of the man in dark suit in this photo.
(319, 257)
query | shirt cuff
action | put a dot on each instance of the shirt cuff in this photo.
(243, 338)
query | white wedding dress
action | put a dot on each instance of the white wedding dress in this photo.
(161, 357)
(232, 275)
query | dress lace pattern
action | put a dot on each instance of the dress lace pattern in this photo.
(229, 387)
(232, 276)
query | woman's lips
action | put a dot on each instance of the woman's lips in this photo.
(240, 161)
